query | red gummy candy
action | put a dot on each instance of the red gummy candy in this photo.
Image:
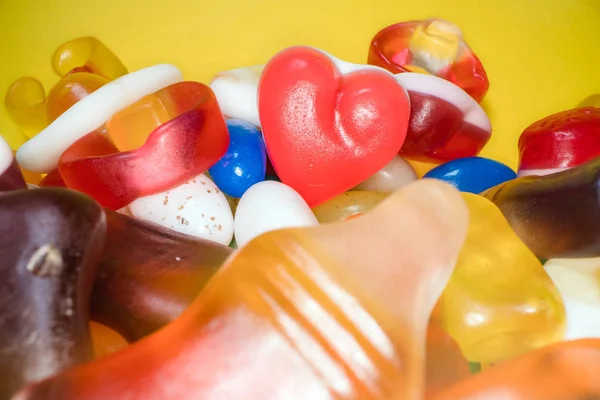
(562, 140)
(175, 152)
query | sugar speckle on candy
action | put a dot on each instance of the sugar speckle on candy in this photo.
(197, 208)
(41, 153)
(269, 206)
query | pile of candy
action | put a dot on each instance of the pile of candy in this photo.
(339, 276)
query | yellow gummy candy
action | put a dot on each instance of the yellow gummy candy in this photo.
(499, 303)
(440, 40)
(87, 54)
(25, 103)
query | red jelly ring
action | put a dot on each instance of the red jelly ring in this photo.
(174, 153)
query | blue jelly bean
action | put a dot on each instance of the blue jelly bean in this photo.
(472, 174)
(245, 161)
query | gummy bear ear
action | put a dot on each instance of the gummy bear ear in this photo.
(402, 252)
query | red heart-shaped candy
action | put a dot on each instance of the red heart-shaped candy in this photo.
(329, 125)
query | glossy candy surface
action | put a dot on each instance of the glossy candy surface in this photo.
(25, 102)
(567, 370)
(245, 161)
(348, 205)
(196, 207)
(472, 174)
(11, 177)
(394, 175)
(69, 90)
(129, 128)
(237, 92)
(321, 307)
(149, 275)
(555, 215)
(578, 281)
(50, 241)
(269, 206)
(445, 123)
(41, 153)
(499, 303)
(87, 54)
(84, 65)
(560, 141)
(432, 46)
(329, 125)
(174, 153)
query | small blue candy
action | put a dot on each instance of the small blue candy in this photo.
(245, 161)
(472, 174)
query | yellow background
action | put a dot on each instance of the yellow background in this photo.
(541, 56)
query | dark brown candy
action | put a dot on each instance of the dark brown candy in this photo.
(50, 243)
(148, 275)
(557, 215)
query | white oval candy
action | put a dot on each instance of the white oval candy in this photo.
(196, 208)
(396, 174)
(269, 206)
(41, 153)
(578, 281)
(237, 92)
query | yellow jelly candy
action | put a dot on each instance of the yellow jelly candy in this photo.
(440, 41)
(348, 205)
(499, 303)
(129, 128)
(87, 54)
(25, 103)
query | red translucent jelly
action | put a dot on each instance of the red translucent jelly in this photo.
(445, 123)
(560, 141)
(174, 152)
(432, 46)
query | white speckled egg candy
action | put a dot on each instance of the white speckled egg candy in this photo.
(268, 206)
(196, 208)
